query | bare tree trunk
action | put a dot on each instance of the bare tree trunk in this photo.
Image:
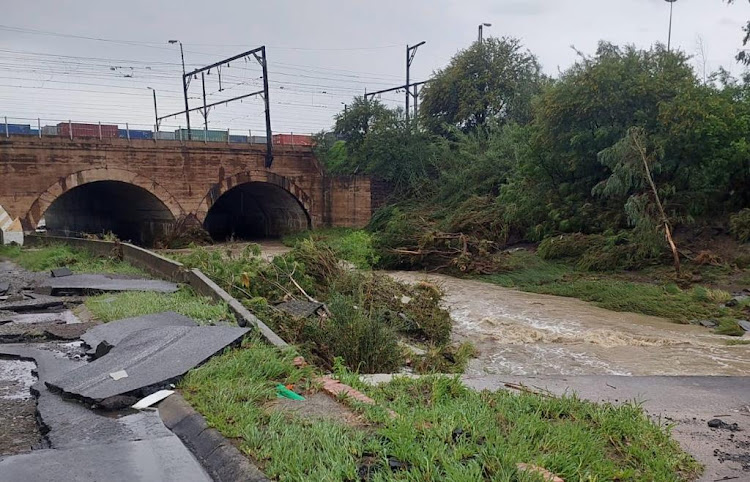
(664, 219)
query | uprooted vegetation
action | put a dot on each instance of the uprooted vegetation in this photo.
(366, 314)
(441, 431)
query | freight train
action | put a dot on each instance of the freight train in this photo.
(78, 130)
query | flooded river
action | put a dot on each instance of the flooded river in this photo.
(521, 333)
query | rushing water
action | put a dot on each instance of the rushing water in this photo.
(521, 333)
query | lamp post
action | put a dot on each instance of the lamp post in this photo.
(669, 38)
(184, 87)
(480, 28)
(156, 113)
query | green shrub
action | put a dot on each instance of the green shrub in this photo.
(739, 225)
(363, 340)
(568, 245)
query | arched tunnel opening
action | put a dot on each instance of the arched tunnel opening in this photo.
(130, 212)
(255, 210)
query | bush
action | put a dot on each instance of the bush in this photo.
(568, 245)
(739, 225)
(363, 340)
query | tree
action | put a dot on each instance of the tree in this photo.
(742, 54)
(355, 122)
(495, 79)
(631, 161)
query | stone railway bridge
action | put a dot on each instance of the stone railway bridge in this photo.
(138, 189)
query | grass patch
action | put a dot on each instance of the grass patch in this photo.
(352, 245)
(108, 307)
(528, 272)
(61, 255)
(444, 431)
(737, 342)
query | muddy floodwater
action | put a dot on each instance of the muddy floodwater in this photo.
(521, 333)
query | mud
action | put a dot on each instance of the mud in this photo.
(19, 432)
(522, 334)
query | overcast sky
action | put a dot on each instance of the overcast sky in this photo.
(320, 53)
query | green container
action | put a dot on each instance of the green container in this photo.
(202, 135)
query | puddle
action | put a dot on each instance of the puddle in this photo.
(16, 379)
(521, 333)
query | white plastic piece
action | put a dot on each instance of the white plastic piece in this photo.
(146, 402)
(118, 375)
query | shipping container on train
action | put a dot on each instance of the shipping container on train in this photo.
(134, 134)
(238, 139)
(292, 140)
(50, 131)
(166, 136)
(11, 129)
(201, 135)
(87, 130)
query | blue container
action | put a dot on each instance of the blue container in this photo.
(135, 134)
(238, 139)
(34, 132)
(15, 129)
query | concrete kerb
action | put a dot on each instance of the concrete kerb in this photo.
(218, 456)
(166, 268)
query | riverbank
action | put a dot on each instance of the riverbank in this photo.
(236, 392)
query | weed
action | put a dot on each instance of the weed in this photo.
(729, 326)
(708, 295)
(739, 225)
(60, 255)
(352, 245)
(443, 430)
(108, 307)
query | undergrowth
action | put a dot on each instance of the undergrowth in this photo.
(442, 431)
(61, 255)
(366, 314)
(109, 307)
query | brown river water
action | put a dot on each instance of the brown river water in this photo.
(521, 333)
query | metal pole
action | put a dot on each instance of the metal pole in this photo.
(100, 130)
(156, 113)
(205, 112)
(184, 90)
(408, 64)
(39, 126)
(416, 100)
(669, 38)
(480, 34)
(127, 131)
(7, 134)
(70, 128)
(269, 135)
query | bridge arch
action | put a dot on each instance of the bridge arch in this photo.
(255, 203)
(125, 202)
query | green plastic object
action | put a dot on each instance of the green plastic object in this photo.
(284, 392)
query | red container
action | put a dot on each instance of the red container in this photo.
(292, 140)
(87, 130)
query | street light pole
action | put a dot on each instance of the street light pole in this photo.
(184, 87)
(480, 28)
(410, 52)
(669, 38)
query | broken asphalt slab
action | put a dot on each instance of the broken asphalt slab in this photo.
(60, 272)
(87, 445)
(151, 358)
(98, 283)
(114, 332)
(162, 459)
(35, 332)
(67, 423)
